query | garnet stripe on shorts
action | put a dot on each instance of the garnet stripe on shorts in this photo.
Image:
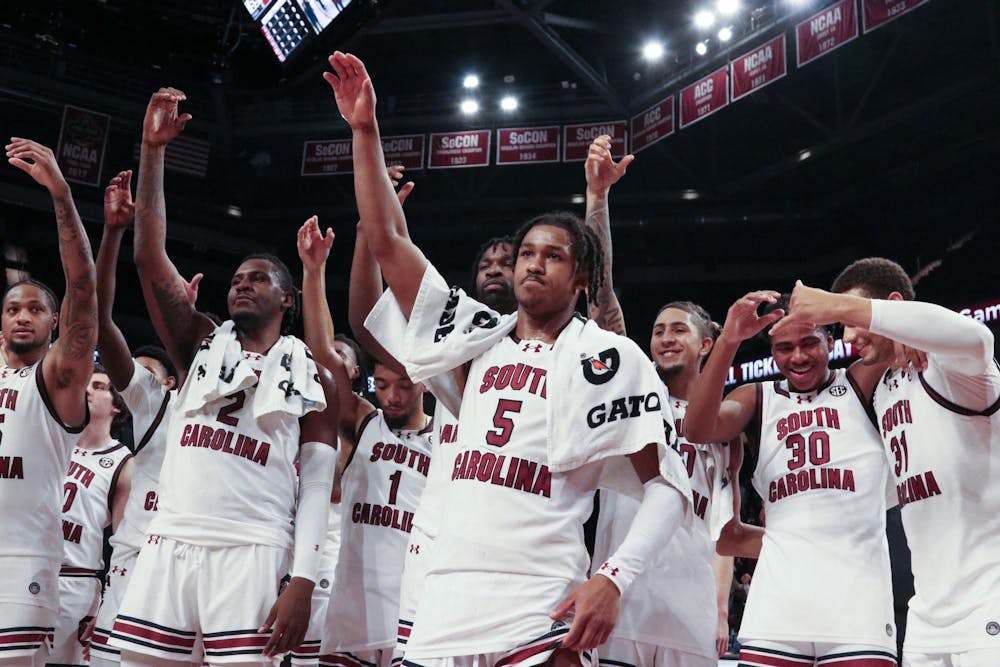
(343, 660)
(403, 631)
(858, 659)
(143, 633)
(99, 642)
(307, 650)
(26, 637)
(234, 642)
(763, 657)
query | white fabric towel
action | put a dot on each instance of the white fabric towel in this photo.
(289, 381)
(722, 488)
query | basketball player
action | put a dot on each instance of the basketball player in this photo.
(941, 430)
(508, 560)
(388, 461)
(822, 589)
(147, 384)
(97, 483)
(253, 403)
(42, 411)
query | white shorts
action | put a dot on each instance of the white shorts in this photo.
(181, 595)
(627, 653)
(375, 658)
(25, 632)
(415, 564)
(307, 654)
(115, 585)
(768, 653)
(29, 581)
(79, 597)
(986, 657)
(535, 652)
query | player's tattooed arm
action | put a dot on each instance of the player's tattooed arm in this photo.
(68, 366)
(177, 323)
(402, 262)
(602, 172)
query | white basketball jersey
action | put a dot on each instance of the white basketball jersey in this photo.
(672, 603)
(432, 502)
(151, 405)
(382, 484)
(946, 464)
(823, 573)
(34, 454)
(229, 479)
(88, 495)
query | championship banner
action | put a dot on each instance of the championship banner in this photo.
(880, 12)
(704, 97)
(758, 68)
(451, 150)
(825, 31)
(528, 145)
(321, 158)
(653, 124)
(404, 149)
(577, 139)
(82, 138)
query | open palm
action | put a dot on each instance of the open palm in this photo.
(353, 90)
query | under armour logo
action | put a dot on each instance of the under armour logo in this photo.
(807, 398)
(153, 539)
(677, 404)
(894, 384)
(528, 347)
(415, 549)
(612, 570)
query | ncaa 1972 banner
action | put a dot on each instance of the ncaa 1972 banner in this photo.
(825, 31)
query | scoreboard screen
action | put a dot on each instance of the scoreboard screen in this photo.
(289, 24)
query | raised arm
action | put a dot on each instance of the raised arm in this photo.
(603, 172)
(314, 249)
(67, 367)
(176, 321)
(709, 418)
(119, 209)
(382, 218)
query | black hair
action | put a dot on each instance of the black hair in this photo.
(286, 283)
(699, 317)
(158, 353)
(782, 304)
(118, 421)
(587, 249)
(489, 245)
(50, 296)
(877, 276)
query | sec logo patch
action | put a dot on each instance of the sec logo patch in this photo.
(838, 390)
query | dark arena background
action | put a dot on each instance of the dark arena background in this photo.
(779, 141)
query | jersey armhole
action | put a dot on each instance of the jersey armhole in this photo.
(868, 405)
(114, 484)
(955, 407)
(154, 425)
(51, 409)
(753, 428)
(367, 419)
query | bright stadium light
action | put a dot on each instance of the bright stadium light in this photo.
(725, 34)
(704, 19)
(727, 7)
(652, 50)
(508, 103)
(470, 81)
(469, 106)
(701, 48)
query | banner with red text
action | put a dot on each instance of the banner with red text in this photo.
(825, 31)
(654, 124)
(528, 145)
(454, 150)
(704, 97)
(82, 138)
(404, 149)
(577, 139)
(877, 13)
(758, 68)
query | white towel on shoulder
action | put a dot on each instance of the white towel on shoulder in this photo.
(289, 381)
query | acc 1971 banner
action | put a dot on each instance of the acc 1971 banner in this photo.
(653, 124)
(880, 12)
(528, 145)
(454, 150)
(704, 97)
(754, 70)
(825, 31)
(82, 139)
(577, 139)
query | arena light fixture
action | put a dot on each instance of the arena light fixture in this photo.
(690, 195)
(508, 103)
(804, 154)
(469, 106)
(470, 82)
(701, 48)
(578, 199)
(652, 50)
(727, 7)
(725, 34)
(704, 19)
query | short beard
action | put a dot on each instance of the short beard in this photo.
(19, 348)
(669, 374)
(503, 301)
(396, 423)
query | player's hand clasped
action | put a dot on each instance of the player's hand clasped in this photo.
(595, 605)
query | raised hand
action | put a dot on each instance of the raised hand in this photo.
(396, 175)
(314, 246)
(353, 89)
(39, 162)
(119, 209)
(742, 321)
(601, 169)
(191, 287)
(163, 122)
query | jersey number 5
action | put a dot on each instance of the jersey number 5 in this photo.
(503, 425)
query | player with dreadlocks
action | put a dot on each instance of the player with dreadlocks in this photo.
(522, 483)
